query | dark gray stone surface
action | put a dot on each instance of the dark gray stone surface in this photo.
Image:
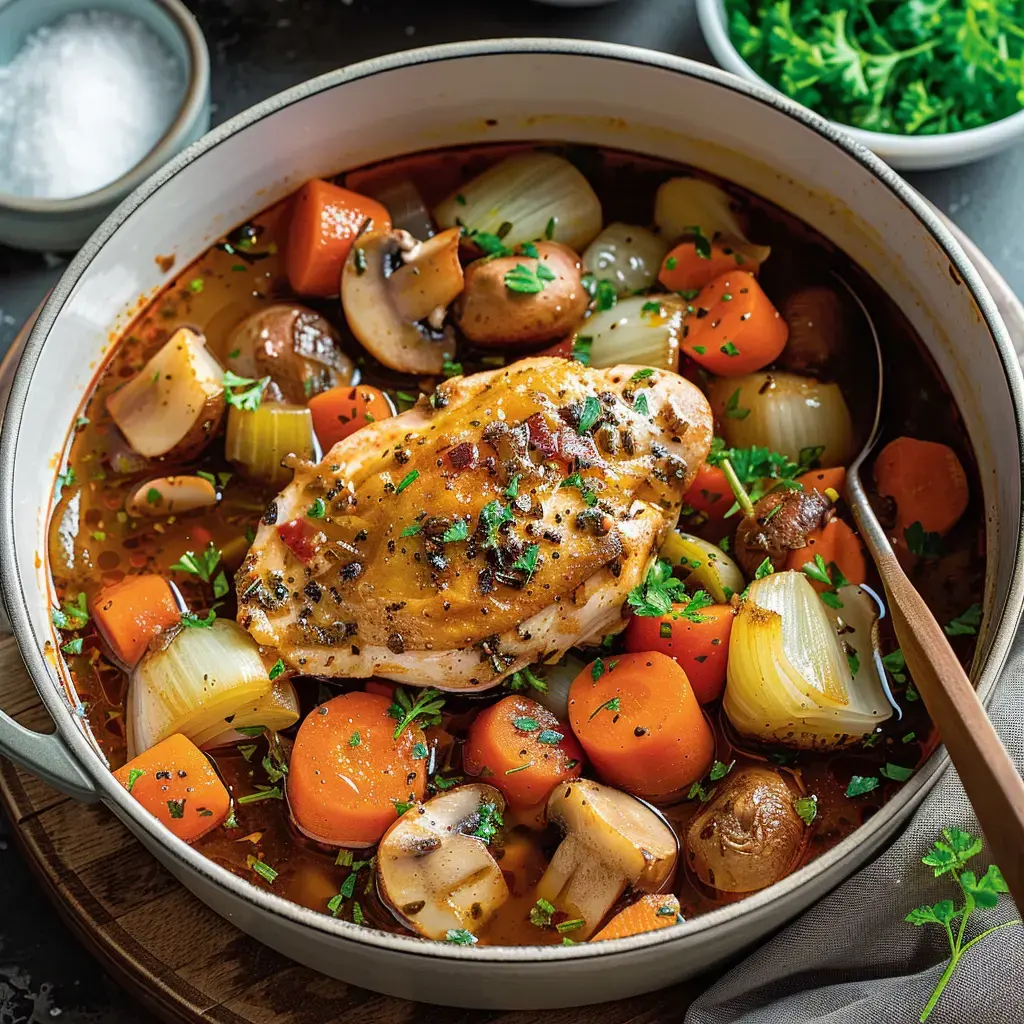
(259, 47)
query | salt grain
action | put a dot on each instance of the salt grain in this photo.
(82, 102)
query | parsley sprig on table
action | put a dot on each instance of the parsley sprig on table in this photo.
(950, 856)
(917, 67)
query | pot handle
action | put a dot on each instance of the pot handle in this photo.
(45, 755)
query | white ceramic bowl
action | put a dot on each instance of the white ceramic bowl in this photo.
(540, 90)
(906, 152)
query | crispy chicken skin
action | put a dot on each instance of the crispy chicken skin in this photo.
(493, 526)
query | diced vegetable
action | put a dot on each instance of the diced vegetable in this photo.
(640, 724)
(522, 299)
(342, 411)
(786, 413)
(326, 220)
(697, 641)
(626, 255)
(372, 312)
(257, 442)
(648, 914)
(176, 783)
(611, 841)
(170, 495)
(525, 198)
(837, 545)
(344, 793)
(173, 406)
(789, 678)
(735, 329)
(131, 613)
(927, 482)
(684, 206)
(705, 566)
(638, 331)
(278, 710)
(193, 682)
(434, 866)
(695, 264)
(525, 750)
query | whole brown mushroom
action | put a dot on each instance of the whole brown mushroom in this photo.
(502, 304)
(749, 835)
(295, 347)
(780, 523)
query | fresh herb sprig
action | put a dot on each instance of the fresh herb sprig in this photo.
(424, 710)
(950, 855)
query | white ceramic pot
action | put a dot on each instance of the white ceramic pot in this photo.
(527, 89)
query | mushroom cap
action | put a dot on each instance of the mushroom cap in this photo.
(749, 836)
(433, 871)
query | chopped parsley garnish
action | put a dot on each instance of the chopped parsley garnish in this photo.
(460, 199)
(729, 349)
(249, 398)
(570, 926)
(357, 914)
(671, 263)
(896, 665)
(410, 478)
(220, 584)
(134, 774)
(541, 913)
(701, 242)
(451, 369)
(426, 709)
(401, 806)
(605, 295)
(526, 724)
(575, 480)
(896, 772)
(550, 737)
(411, 530)
(524, 679)
(488, 823)
(192, 621)
(493, 516)
(921, 542)
(719, 770)
(640, 375)
(459, 530)
(612, 705)
(658, 592)
(651, 309)
(262, 793)
(153, 496)
(420, 752)
(73, 646)
(528, 281)
(830, 575)
(732, 407)
(861, 784)
(177, 807)
(276, 669)
(640, 405)
(71, 614)
(597, 669)
(853, 660)
(589, 416)
(460, 937)
(581, 347)
(265, 871)
(549, 228)
(527, 561)
(765, 568)
(317, 510)
(966, 624)
(203, 565)
(67, 478)
(807, 808)
(355, 739)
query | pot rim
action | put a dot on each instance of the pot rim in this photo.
(723, 919)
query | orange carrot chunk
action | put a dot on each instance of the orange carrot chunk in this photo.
(176, 783)
(927, 483)
(837, 543)
(349, 777)
(341, 411)
(525, 750)
(710, 493)
(735, 329)
(699, 644)
(130, 613)
(821, 480)
(639, 722)
(685, 269)
(326, 220)
(648, 914)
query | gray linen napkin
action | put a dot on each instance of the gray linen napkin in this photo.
(853, 959)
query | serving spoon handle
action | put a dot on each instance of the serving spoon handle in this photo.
(989, 776)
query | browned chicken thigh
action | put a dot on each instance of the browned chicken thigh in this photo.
(493, 526)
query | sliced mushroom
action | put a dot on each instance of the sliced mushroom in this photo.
(170, 495)
(174, 405)
(429, 279)
(749, 836)
(297, 348)
(521, 299)
(370, 305)
(434, 871)
(612, 841)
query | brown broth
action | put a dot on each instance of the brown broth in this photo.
(94, 543)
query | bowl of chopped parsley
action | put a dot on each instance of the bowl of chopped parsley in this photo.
(923, 83)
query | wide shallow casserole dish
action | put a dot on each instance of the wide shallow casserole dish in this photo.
(522, 90)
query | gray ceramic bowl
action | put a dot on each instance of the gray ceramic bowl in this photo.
(57, 224)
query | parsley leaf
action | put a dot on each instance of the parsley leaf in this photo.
(528, 280)
(489, 821)
(658, 592)
(426, 708)
(527, 561)
(249, 398)
(613, 704)
(203, 565)
(807, 808)
(922, 543)
(861, 784)
(732, 407)
(590, 415)
(966, 624)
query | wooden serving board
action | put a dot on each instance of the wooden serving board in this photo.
(184, 962)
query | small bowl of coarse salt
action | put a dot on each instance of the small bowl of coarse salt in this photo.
(94, 97)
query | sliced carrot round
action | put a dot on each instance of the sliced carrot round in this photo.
(699, 644)
(640, 725)
(837, 543)
(176, 783)
(348, 776)
(341, 411)
(685, 269)
(735, 329)
(523, 749)
(648, 914)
